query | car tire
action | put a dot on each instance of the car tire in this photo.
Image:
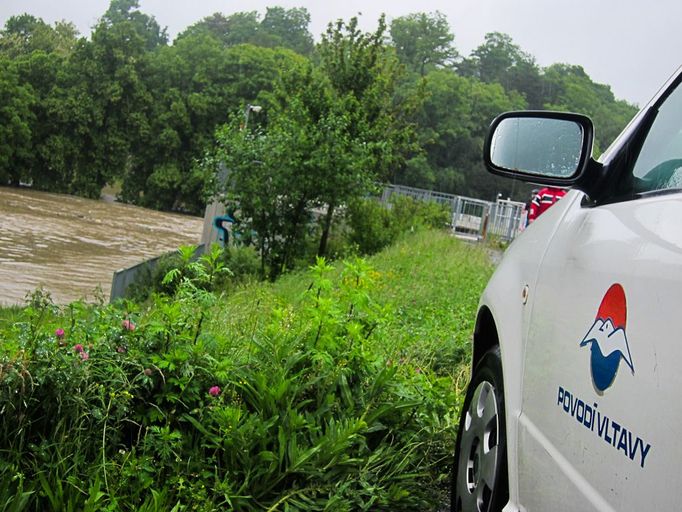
(479, 473)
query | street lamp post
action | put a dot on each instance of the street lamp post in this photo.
(250, 108)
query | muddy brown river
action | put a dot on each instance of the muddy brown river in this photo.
(70, 245)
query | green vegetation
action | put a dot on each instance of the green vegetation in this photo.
(400, 104)
(366, 227)
(331, 389)
(242, 261)
(371, 225)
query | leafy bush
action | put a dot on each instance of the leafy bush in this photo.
(411, 214)
(243, 262)
(374, 225)
(290, 405)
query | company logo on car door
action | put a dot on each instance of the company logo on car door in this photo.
(607, 339)
(608, 345)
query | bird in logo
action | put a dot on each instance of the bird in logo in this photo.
(607, 339)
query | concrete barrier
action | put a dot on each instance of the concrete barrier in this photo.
(124, 277)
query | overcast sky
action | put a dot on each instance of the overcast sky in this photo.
(631, 45)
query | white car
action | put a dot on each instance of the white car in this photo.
(575, 402)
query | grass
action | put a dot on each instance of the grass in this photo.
(335, 388)
(429, 280)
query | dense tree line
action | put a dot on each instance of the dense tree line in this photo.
(126, 107)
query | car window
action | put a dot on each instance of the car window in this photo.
(659, 164)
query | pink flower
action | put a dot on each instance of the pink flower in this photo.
(121, 350)
(84, 356)
(128, 325)
(214, 391)
(59, 333)
(78, 348)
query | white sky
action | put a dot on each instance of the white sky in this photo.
(630, 45)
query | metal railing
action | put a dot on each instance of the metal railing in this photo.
(471, 218)
(506, 219)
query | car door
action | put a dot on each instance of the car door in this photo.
(603, 356)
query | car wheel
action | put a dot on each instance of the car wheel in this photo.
(479, 473)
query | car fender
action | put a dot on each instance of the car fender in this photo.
(503, 313)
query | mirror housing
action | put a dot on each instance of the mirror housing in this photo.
(543, 147)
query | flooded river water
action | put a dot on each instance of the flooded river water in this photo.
(70, 245)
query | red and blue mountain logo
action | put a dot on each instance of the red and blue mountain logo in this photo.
(607, 339)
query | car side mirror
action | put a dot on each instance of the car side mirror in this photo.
(549, 148)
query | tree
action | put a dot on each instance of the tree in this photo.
(39, 71)
(25, 34)
(267, 189)
(16, 100)
(332, 132)
(363, 76)
(451, 125)
(241, 28)
(126, 107)
(277, 175)
(500, 60)
(127, 12)
(423, 41)
(238, 28)
(271, 181)
(97, 106)
(570, 88)
(38, 51)
(193, 85)
(215, 25)
(289, 27)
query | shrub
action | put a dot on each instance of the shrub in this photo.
(124, 408)
(411, 214)
(374, 225)
(243, 262)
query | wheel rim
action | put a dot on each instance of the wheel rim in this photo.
(478, 464)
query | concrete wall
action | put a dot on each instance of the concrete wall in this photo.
(124, 277)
